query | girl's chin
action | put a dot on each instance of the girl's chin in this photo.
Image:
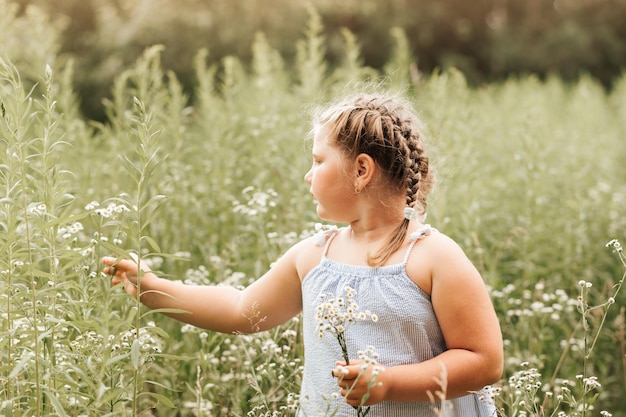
(321, 213)
(327, 217)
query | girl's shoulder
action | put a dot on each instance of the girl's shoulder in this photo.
(309, 252)
(433, 254)
(428, 237)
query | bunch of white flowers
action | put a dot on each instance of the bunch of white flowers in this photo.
(334, 314)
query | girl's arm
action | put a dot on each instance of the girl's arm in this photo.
(269, 301)
(470, 328)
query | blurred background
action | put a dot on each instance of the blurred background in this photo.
(488, 40)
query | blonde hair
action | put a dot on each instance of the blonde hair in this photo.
(385, 127)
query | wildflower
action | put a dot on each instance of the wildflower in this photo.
(37, 209)
(188, 328)
(617, 247)
(91, 206)
(591, 383)
(111, 211)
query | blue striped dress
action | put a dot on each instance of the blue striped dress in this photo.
(406, 331)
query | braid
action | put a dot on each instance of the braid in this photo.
(409, 167)
(419, 182)
(385, 128)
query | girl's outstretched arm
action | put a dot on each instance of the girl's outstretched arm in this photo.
(269, 301)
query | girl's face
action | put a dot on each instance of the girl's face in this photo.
(331, 180)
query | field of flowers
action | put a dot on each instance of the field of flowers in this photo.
(531, 183)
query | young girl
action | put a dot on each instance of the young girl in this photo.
(427, 312)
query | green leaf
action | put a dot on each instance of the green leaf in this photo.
(174, 357)
(8, 409)
(134, 353)
(20, 365)
(164, 311)
(161, 385)
(108, 395)
(160, 398)
(152, 243)
(115, 359)
(56, 403)
(130, 167)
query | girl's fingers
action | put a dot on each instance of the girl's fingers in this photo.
(125, 265)
(117, 266)
(109, 260)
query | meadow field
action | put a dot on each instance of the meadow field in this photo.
(207, 187)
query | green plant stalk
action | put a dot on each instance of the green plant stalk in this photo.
(148, 163)
(50, 189)
(341, 338)
(588, 349)
(15, 122)
(198, 389)
(606, 307)
(559, 364)
(25, 192)
(590, 346)
(138, 205)
(361, 411)
(9, 381)
(33, 285)
(254, 383)
(584, 310)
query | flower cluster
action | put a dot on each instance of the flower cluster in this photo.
(257, 201)
(148, 342)
(111, 211)
(67, 232)
(369, 357)
(525, 389)
(334, 314)
(37, 209)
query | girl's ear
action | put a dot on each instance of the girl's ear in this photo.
(365, 168)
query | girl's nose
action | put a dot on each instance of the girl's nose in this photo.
(307, 177)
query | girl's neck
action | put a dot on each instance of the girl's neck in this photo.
(374, 233)
(355, 244)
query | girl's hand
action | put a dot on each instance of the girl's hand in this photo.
(361, 384)
(126, 271)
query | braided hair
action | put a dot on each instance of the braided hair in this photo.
(386, 128)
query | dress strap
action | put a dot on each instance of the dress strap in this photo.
(324, 235)
(419, 234)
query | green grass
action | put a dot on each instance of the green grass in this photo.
(530, 183)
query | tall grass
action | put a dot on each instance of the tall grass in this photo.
(530, 184)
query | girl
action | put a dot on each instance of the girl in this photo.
(426, 310)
